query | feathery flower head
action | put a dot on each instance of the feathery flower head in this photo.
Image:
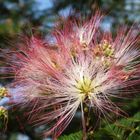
(84, 67)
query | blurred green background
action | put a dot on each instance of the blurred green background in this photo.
(38, 17)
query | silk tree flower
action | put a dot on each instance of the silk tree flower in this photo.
(81, 66)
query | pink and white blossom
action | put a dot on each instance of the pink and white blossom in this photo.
(82, 68)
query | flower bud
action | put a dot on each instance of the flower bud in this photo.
(3, 92)
(3, 112)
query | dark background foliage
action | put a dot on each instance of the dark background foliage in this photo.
(38, 17)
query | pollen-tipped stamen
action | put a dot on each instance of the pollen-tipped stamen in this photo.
(85, 86)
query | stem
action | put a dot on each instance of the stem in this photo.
(83, 123)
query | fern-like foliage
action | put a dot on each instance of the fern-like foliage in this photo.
(123, 129)
(73, 136)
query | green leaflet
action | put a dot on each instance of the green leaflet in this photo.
(73, 136)
(123, 129)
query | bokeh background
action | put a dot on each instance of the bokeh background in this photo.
(39, 17)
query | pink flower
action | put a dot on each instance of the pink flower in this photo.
(80, 66)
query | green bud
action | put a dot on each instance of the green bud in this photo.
(3, 92)
(3, 112)
(107, 49)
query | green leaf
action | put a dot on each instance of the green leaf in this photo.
(73, 136)
(123, 129)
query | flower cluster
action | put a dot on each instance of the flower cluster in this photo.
(3, 118)
(3, 112)
(3, 92)
(79, 65)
